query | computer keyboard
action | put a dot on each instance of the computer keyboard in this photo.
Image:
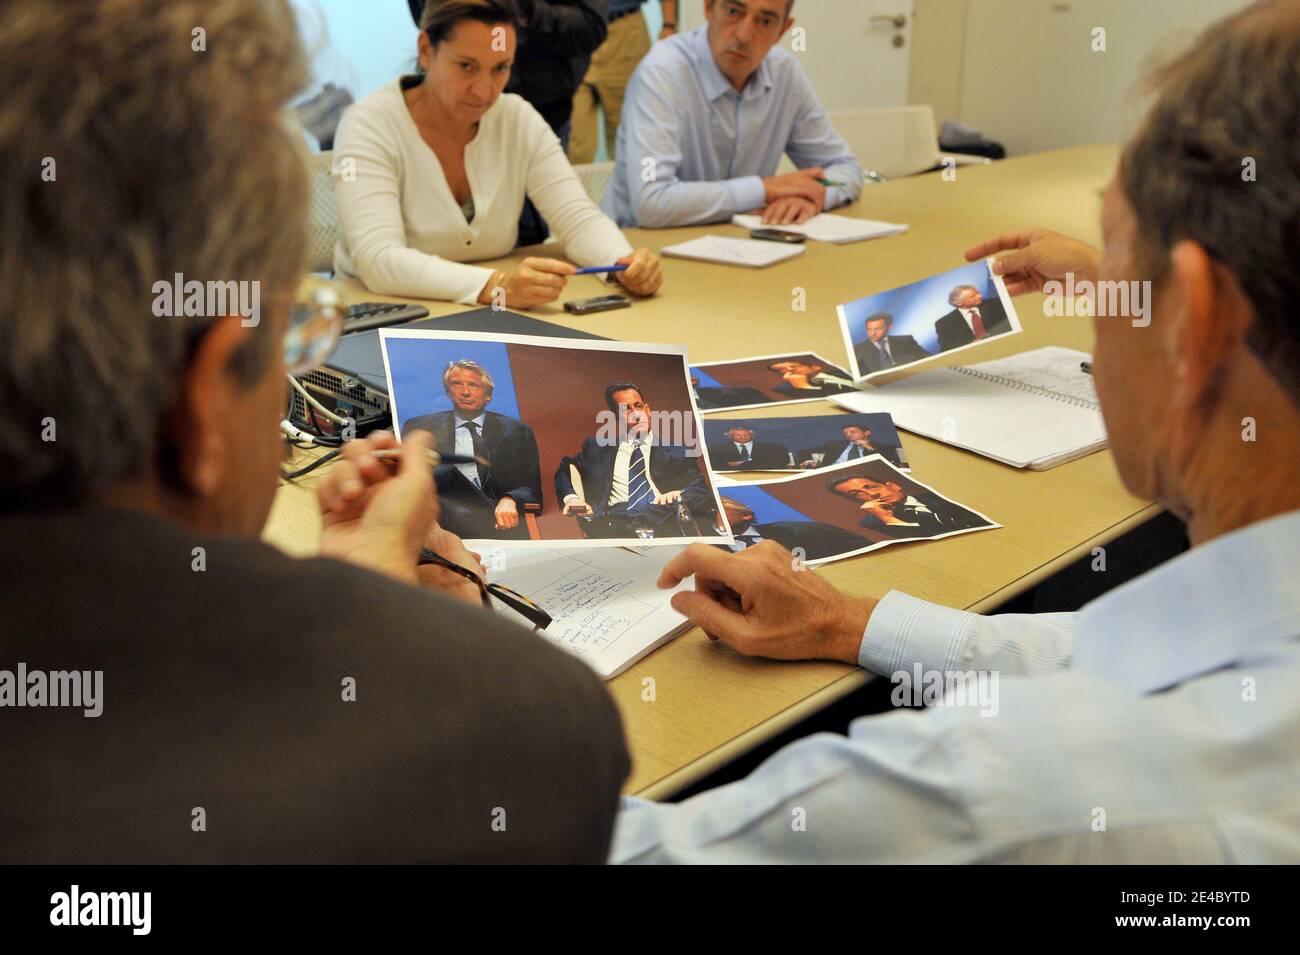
(367, 315)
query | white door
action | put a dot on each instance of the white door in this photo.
(856, 52)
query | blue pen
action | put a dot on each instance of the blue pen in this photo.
(598, 269)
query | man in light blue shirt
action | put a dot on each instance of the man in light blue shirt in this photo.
(707, 117)
(1160, 723)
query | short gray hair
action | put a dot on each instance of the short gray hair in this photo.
(955, 295)
(468, 364)
(158, 158)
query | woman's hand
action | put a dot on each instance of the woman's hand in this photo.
(644, 275)
(536, 281)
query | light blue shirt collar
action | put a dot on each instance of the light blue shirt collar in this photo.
(714, 83)
(1219, 605)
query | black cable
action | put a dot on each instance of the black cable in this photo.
(323, 459)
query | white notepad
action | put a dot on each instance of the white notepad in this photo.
(827, 227)
(1034, 410)
(604, 604)
(750, 253)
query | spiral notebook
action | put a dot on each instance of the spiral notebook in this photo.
(1034, 410)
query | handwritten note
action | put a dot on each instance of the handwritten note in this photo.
(604, 602)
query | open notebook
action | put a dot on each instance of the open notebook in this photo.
(1034, 410)
(828, 227)
(604, 604)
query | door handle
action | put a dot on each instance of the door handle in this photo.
(897, 20)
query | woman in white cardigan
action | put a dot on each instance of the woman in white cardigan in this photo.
(431, 174)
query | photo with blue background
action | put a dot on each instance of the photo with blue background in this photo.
(417, 366)
(918, 306)
(803, 434)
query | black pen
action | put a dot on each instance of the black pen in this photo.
(1085, 367)
(394, 454)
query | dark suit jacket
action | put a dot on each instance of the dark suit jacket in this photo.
(732, 396)
(822, 391)
(945, 518)
(818, 540)
(765, 456)
(953, 331)
(223, 689)
(833, 449)
(515, 472)
(671, 469)
(903, 348)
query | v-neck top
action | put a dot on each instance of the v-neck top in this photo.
(403, 232)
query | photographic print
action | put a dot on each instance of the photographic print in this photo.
(767, 380)
(911, 324)
(558, 442)
(800, 444)
(844, 510)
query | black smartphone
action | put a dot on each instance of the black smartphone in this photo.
(603, 303)
(777, 235)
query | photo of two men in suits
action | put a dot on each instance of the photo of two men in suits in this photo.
(638, 483)
(516, 413)
(913, 323)
(801, 443)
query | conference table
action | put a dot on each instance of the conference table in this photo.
(710, 704)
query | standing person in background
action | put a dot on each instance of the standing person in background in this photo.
(607, 78)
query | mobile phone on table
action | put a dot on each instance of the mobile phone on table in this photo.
(602, 303)
(777, 235)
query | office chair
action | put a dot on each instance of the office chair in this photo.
(323, 231)
(595, 178)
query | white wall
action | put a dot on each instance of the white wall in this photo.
(363, 44)
(1031, 80)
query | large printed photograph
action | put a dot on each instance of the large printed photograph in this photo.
(557, 442)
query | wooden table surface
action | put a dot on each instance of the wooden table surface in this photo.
(710, 704)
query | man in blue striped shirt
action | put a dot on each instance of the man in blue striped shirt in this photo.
(707, 117)
(1160, 723)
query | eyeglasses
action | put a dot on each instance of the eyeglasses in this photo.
(315, 324)
(516, 601)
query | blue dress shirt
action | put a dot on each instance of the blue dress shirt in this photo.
(708, 145)
(1158, 724)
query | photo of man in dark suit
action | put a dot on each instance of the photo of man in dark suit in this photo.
(731, 396)
(632, 486)
(802, 379)
(882, 350)
(815, 539)
(892, 511)
(972, 319)
(742, 453)
(856, 444)
(479, 501)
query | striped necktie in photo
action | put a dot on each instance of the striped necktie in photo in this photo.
(638, 485)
